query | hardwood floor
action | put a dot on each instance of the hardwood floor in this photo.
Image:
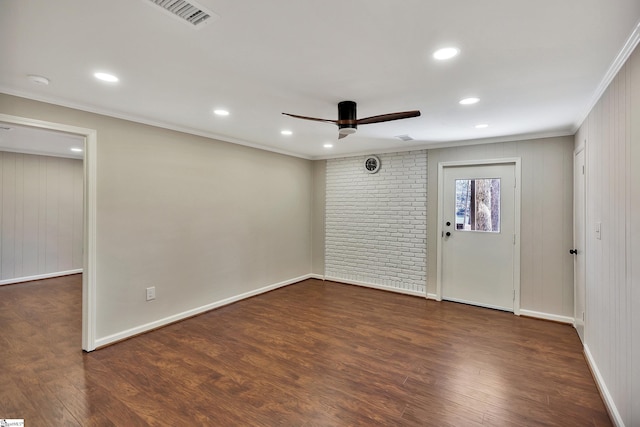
(310, 354)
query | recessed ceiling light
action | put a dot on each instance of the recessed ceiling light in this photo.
(105, 77)
(286, 132)
(76, 150)
(39, 80)
(469, 101)
(221, 112)
(482, 126)
(328, 145)
(446, 53)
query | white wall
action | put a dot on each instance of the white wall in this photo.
(376, 223)
(201, 220)
(546, 270)
(611, 135)
(40, 216)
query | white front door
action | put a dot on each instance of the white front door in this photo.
(478, 235)
(578, 249)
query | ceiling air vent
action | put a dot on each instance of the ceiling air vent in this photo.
(405, 138)
(188, 12)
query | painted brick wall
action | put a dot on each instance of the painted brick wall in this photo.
(376, 223)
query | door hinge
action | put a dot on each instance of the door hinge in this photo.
(582, 169)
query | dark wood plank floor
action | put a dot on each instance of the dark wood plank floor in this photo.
(311, 354)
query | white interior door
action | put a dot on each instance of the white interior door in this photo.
(578, 249)
(478, 235)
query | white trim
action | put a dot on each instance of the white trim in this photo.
(138, 119)
(110, 339)
(618, 62)
(374, 286)
(90, 206)
(517, 162)
(604, 391)
(447, 144)
(39, 277)
(421, 145)
(433, 297)
(315, 276)
(547, 316)
(582, 147)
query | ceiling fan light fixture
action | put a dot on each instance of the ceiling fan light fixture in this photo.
(348, 120)
(347, 130)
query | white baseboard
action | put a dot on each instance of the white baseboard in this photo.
(604, 391)
(101, 342)
(375, 286)
(39, 277)
(547, 316)
(315, 276)
(433, 297)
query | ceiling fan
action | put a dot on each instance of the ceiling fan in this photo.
(348, 123)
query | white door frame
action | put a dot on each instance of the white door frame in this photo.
(582, 148)
(516, 161)
(89, 220)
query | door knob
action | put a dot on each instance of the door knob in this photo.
(573, 251)
(448, 233)
(448, 224)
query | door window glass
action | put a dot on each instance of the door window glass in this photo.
(478, 204)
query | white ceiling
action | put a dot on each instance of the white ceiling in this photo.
(537, 66)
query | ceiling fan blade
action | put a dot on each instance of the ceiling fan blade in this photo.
(388, 117)
(311, 118)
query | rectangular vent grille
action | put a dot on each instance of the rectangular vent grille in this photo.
(404, 137)
(186, 11)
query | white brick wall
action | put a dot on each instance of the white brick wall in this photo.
(376, 224)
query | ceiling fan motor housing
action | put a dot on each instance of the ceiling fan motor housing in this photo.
(347, 121)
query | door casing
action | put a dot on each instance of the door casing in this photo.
(579, 240)
(516, 161)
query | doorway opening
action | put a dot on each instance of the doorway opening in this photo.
(89, 217)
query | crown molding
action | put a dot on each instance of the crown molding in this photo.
(146, 121)
(612, 72)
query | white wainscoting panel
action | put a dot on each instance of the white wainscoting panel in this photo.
(40, 215)
(611, 136)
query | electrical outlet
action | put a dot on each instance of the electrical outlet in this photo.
(151, 293)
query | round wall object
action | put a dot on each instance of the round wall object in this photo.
(372, 164)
